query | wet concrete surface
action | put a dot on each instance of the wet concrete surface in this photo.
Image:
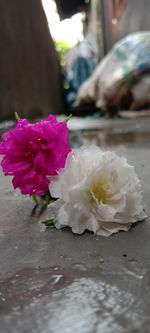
(52, 281)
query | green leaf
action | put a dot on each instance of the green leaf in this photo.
(49, 223)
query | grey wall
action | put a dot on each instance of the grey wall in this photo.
(135, 18)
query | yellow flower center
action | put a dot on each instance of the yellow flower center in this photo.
(102, 189)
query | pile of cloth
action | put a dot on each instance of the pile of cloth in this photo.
(81, 62)
(121, 81)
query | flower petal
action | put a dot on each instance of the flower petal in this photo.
(99, 192)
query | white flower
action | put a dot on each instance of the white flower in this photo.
(97, 191)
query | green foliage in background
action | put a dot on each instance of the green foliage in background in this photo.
(62, 48)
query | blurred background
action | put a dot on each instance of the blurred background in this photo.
(63, 57)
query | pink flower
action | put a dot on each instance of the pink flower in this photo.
(32, 152)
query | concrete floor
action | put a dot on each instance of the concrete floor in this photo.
(53, 281)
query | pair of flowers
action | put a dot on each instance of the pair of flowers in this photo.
(94, 190)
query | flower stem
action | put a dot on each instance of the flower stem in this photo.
(47, 199)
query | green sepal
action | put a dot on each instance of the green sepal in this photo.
(68, 118)
(49, 223)
(17, 116)
(34, 197)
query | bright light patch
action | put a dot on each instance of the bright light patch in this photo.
(69, 30)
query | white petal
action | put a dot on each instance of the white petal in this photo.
(108, 229)
(104, 214)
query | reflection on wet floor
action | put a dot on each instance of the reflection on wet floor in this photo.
(52, 281)
(58, 300)
(112, 133)
(104, 139)
(104, 132)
